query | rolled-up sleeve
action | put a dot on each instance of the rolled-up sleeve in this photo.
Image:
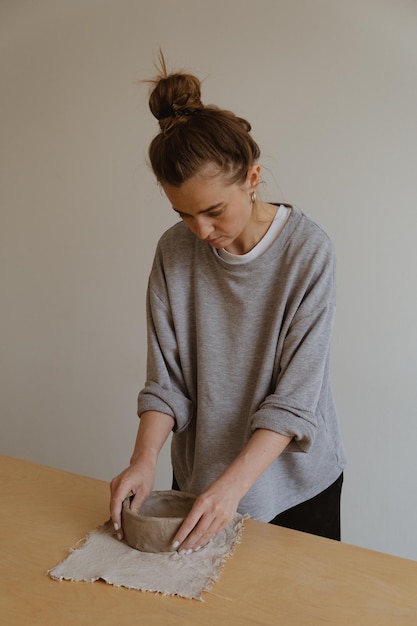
(165, 389)
(301, 394)
(294, 407)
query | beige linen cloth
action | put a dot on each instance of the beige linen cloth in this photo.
(103, 556)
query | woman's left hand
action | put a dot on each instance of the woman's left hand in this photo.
(213, 510)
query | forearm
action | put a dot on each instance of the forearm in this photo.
(215, 507)
(154, 429)
(138, 478)
(261, 450)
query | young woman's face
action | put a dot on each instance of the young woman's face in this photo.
(218, 212)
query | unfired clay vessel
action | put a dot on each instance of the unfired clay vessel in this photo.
(154, 527)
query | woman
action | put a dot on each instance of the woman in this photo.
(241, 301)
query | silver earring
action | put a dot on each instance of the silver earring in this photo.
(253, 197)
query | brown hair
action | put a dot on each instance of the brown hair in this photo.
(193, 135)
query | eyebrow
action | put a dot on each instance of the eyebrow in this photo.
(211, 208)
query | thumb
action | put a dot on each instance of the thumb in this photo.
(136, 502)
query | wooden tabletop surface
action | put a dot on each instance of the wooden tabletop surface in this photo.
(275, 576)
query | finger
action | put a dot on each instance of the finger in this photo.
(200, 534)
(213, 530)
(116, 503)
(185, 530)
(198, 538)
(203, 532)
(115, 513)
(137, 501)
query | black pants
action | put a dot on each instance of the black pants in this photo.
(318, 516)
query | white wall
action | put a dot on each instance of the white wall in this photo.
(330, 88)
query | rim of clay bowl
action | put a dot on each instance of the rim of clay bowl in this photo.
(180, 495)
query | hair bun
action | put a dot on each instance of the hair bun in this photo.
(193, 135)
(175, 95)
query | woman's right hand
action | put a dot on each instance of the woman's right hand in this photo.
(137, 479)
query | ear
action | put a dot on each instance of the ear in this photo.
(253, 177)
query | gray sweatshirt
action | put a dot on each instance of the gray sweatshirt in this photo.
(233, 348)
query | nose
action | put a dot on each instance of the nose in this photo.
(203, 227)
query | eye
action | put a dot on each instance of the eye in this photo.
(216, 213)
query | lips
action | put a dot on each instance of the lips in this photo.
(214, 241)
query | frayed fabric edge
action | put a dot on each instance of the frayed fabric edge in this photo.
(83, 542)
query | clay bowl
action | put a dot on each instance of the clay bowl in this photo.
(154, 527)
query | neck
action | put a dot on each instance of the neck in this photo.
(262, 215)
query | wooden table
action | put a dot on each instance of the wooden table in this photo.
(276, 576)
